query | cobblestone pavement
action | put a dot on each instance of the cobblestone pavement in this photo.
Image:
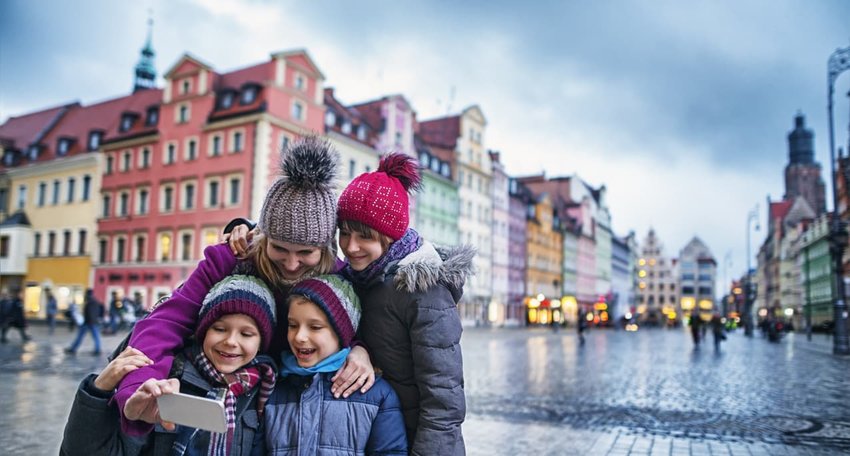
(532, 391)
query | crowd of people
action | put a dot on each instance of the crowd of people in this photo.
(309, 354)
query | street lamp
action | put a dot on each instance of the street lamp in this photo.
(838, 62)
(749, 295)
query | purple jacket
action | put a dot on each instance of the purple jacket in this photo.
(161, 334)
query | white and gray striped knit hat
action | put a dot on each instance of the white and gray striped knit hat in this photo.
(336, 297)
(300, 206)
(239, 294)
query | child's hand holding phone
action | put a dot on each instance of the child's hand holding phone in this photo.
(142, 405)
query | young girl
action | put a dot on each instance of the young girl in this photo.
(235, 322)
(409, 291)
(302, 416)
(297, 226)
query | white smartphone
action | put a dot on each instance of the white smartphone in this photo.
(193, 411)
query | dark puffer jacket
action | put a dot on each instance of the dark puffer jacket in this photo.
(303, 418)
(412, 329)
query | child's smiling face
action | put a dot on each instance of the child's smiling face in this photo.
(359, 250)
(232, 342)
(311, 336)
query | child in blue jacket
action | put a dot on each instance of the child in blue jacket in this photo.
(302, 415)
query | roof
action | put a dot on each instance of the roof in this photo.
(17, 219)
(21, 131)
(350, 114)
(442, 132)
(779, 209)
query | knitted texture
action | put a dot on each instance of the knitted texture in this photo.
(239, 294)
(300, 206)
(379, 199)
(336, 297)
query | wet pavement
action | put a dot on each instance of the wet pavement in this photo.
(532, 391)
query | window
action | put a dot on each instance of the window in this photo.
(152, 116)
(4, 246)
(215, 146)
(330, 118)
(33, 153)
(143, 197)
(51, 243)
(120, 249)
(346, 127)
(107, 201)
(3, 200)
(123, 204)
(36, 244)
(94, 139)
(300, 82)
(212, 193)
(226, 100)
(284, 142)
(398, 138)
(188, 196)
(191, 150)
(139, 246)
(185, 86)
(102, 247)
(126, 122)
(42, 194)
(66, 242)
(64, 145)
(109, 164)
(56, 187)
(235, 184)
(298, 111)
(210, 236)
(352, 169)
(186, 246)
(248, 95)
(170, 153)
(126, 164)
(164, 247)
(166, 203)
(82, 236)
(145, 158)
(237, 142)
(86, 187)
(71, 187)
(361, 132)
(183, 113)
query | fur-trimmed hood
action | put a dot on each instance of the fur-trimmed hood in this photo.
(430, 265)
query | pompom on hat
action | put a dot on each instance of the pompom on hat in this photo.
(336, 297)
(380, 199)
(300, 207)
(239, 294)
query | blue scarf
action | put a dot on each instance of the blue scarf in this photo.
(330, 364)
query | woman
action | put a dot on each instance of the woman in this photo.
(296, 240)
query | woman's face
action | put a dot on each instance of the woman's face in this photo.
(359, 250)
(293, 260)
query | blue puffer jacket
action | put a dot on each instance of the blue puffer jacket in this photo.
(303, 418)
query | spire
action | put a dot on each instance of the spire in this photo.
(145, 71)
(801, 142)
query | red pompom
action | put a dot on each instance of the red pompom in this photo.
(402, 167)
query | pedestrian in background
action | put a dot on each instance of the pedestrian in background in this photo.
(51, 308)
(114, 313)
(696, 323)
(717, 330)
(92, 316)
(581, 325)
(13, 310)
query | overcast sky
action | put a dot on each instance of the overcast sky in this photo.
(681, 109)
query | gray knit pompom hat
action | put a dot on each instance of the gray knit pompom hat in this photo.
(300, 206)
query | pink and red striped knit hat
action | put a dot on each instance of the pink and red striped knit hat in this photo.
(336, 297)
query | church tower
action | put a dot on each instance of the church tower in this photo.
(803, 173)
(145, 72)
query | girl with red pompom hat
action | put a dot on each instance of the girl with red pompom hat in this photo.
(409, 291)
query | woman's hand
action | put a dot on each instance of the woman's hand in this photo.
(127, 361)
(357, 372)
(238, 239)
(142, 404)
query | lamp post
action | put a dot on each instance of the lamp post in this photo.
(838, 62)
(749, 294)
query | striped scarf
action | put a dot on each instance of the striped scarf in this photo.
(238, 383)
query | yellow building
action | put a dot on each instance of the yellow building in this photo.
(60, 198)
(545, 254)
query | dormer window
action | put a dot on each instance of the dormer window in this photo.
(226, 100)
(152, 116)
(8, 158)
(444, 170)
(435, 165)
(330, 118)
(346, 127)
(361, 132)
(63, 146)
(249, 94)
(423, 159)
(126, 121)
(94, 139)
(185, 86)
(33, 152)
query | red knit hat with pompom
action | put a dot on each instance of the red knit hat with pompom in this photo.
(379, 199)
